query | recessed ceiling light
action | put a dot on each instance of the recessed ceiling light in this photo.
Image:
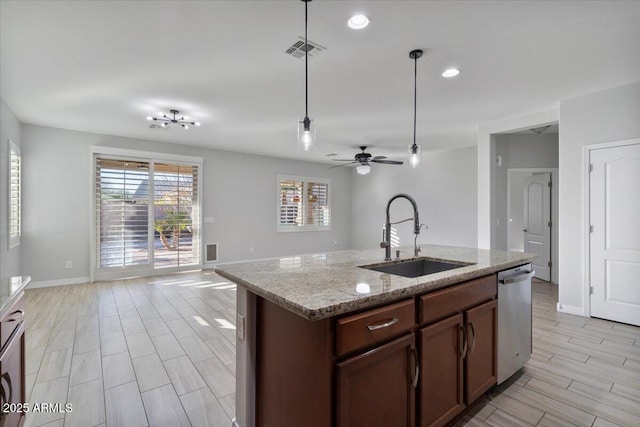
(450, 72)
(358, 22)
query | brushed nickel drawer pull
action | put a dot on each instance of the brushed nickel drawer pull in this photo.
(383, 325)
(12, 317)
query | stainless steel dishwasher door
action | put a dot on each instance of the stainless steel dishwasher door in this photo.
(514, 320)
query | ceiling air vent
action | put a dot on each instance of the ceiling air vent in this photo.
(155, 126)
(297, 49)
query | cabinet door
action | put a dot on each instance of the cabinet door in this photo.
(441, 380)
(12, 378)
(376, 388)
(480, 364)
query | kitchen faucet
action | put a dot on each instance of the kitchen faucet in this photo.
(386, 243)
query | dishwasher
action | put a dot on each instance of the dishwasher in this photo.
(514, 320)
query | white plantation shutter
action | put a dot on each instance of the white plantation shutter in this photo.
(303, 204)
(317, 204)
(15, 195)
(175, 189)
(122, 212)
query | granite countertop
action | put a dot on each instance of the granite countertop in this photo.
(318, 286)
(10, 288)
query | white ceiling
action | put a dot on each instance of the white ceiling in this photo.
(102, 66)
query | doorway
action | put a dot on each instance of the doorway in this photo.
(532, 205)
(520, 155)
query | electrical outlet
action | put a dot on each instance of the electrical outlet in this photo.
(68, 264)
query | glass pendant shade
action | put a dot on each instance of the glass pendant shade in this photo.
(306, 135)
(363, 169)
(415, 154)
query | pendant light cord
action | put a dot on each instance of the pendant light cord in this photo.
(415, 97)
(306, 67)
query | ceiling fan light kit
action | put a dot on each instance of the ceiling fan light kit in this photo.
(363, 169)
(166, 121)
(306, 134)
(415, 153)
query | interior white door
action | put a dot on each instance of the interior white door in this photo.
(537, 222)
(614, 188)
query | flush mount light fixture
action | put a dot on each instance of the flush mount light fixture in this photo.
(450, 72)
(306, 135)
(358, 22)
(166, 121)
(414, 150)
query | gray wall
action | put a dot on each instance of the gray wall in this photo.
(239, 192)
(10, 128)
(609, 115)
(444, 187)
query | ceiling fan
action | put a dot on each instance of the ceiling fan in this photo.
(363, 159)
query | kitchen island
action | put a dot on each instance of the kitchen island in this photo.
(323, 341)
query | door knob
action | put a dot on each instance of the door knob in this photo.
(524, 229)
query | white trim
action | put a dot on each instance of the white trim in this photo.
(58, 282)
(150, 155)
(586, 211)
(571, 309)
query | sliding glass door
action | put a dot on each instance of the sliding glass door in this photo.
(147, 216)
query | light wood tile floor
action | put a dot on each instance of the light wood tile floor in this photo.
(583, 372)
(140, 352)
(160, 352)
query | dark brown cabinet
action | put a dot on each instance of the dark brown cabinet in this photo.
(377, 388)
(12, 363)
(441, 377)
(480, 361)
(457, 353)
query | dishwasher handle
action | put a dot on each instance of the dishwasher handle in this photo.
(518, 278)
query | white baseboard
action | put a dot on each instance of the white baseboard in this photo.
(59, 282)
(571, 309)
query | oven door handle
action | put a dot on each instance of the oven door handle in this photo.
(518, 278)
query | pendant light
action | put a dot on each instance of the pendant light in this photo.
(414, 150)
(306, 134)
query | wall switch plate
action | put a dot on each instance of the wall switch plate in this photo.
(68, 264)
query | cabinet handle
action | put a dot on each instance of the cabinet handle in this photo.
(473, 338)
(463, 353)
(414, 383)
(15, 316)
(383, 325)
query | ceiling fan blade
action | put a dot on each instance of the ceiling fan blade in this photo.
(342, 160)
(388, 162)
(344, 164)
(379, 158)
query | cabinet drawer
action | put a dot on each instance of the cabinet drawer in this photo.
(440, 304)
(12, 320)
(372, 326)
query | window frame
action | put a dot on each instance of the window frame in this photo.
(305, 182)
(14, 237)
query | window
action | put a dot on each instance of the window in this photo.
(303, 204)
(147, 214)
(15, 195)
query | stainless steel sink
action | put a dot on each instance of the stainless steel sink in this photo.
(414, 267)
